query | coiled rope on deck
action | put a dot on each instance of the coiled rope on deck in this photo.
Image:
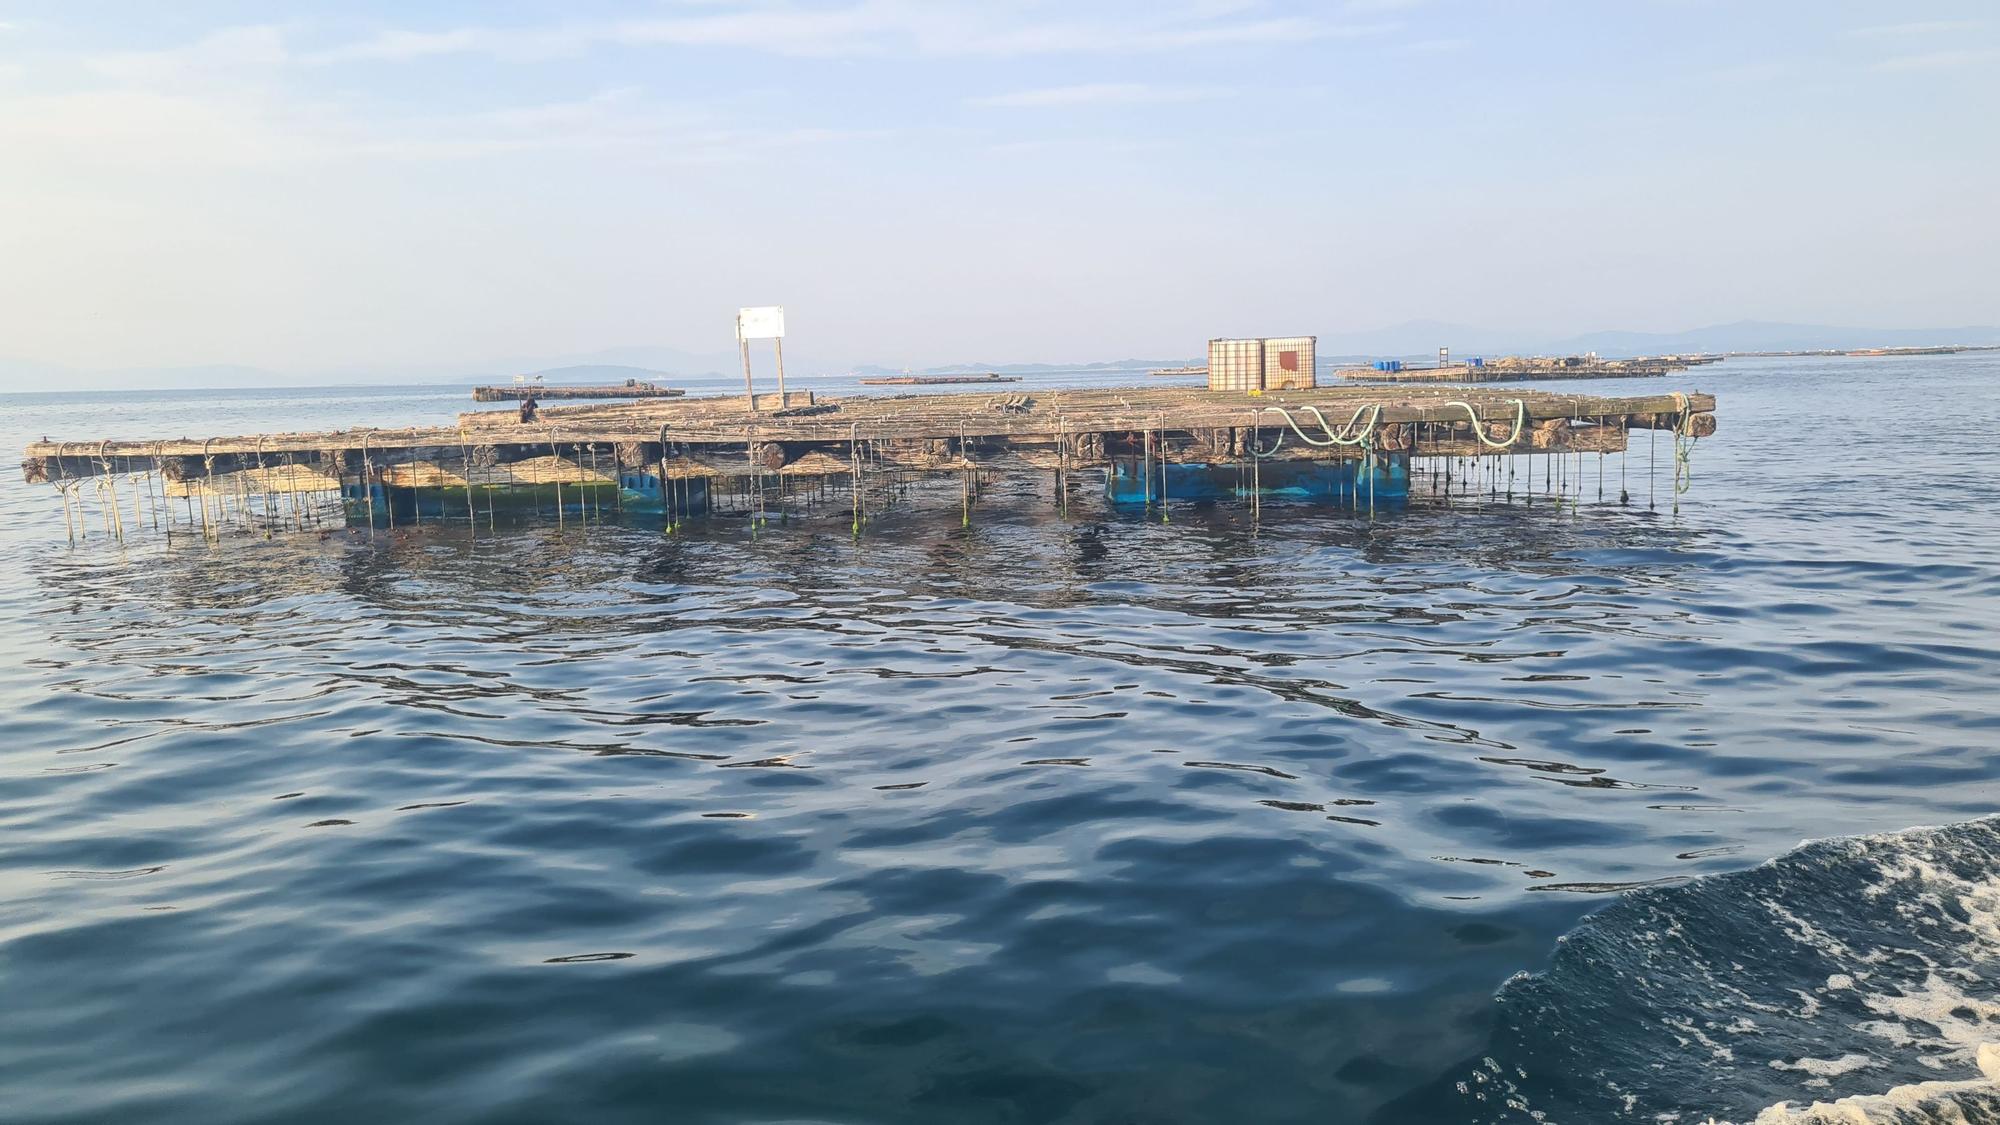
(1347, 435)
(1479, 427)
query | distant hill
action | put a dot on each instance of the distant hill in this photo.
(1107, 366)
(1422, 338)
(1417, 339)
(1770, 336)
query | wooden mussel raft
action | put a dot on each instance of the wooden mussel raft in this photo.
(692, 456)
(550, 392)
(1521, 369)
(937, 380)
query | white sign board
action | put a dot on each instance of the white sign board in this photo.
(766, 322)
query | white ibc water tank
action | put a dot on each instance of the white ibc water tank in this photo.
(1235, 365)
(1288, 362)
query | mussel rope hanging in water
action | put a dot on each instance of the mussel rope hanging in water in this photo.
(264, 478)
(165, 499)
(669, 495)
(1684, 440)
(109, 483)
(555, 471)
(63, 488)
(465, 459)
(368, 483)
(207, 485)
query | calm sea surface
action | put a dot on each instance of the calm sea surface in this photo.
(1032, 820)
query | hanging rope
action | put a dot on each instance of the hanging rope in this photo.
(555, 455)
(208, 486)
(109, 483)
(265, 474)
(1684, 440)
(465, 460)
(368, 483)
(153, 501)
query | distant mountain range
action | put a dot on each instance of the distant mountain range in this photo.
(1424, 338)
(593, 373)
(1415, 339)
(1106, 367)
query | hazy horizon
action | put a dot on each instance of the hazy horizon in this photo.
(405, 188)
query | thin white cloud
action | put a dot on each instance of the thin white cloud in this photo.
(870, 27)
(134, 131)
(1939, 60)
(1918, 27)
(1096, 93)
(230, 51)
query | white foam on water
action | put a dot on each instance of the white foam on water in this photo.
(1938, 1016)
(1826, 1068)
(1942, 1102)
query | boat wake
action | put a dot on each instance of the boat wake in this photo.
(1850, 980)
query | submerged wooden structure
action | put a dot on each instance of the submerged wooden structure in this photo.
(687, 456)
(550, 392)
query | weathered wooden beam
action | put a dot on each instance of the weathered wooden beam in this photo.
(1091, 426)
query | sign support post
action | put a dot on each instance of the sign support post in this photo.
(766, 322)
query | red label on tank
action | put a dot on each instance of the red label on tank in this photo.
(1288, 360)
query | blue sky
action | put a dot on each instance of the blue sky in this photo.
(378, 187)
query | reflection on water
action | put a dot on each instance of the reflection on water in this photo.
(1034, 819)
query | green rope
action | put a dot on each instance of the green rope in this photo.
(1347, 435)
(1684, 440)
(1479, 428)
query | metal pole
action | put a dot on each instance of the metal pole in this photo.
(778, 344)
(743, 345)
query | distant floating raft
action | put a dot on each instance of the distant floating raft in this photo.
(519, 391)
(1513, 373)
(937, 380)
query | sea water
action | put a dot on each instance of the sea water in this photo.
(1458, 813)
